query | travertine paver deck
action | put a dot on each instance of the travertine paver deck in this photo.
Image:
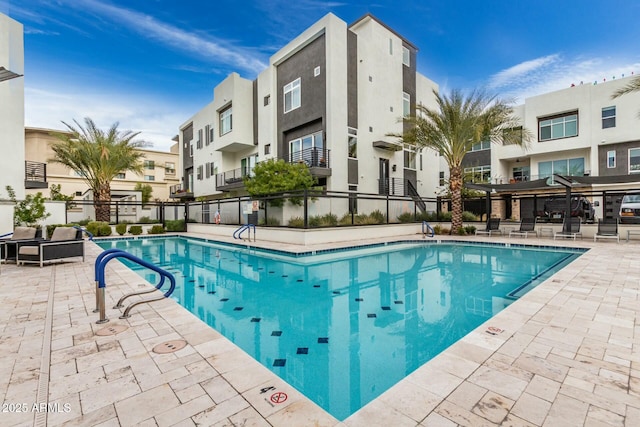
(569, 355)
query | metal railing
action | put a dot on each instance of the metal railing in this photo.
(313, 157)
(246, 227)
(99, 275)
(233, 176)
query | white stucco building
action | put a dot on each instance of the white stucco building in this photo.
(328, 98)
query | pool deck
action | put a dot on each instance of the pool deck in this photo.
(565, 354)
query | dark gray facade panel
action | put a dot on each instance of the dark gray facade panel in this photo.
(255, 112)
(409, 81)
(622, 158)
(300, 131)
(477, 158)
(313, 91)
(352, 79)
(352, 172)
(412, 176)
(187, 136)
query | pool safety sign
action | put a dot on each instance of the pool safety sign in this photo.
(276, 397)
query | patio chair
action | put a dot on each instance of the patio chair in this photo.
(493, 226)
(65, 242)
(8, 243)
(527, 226)
(572, 231)
(607, 229)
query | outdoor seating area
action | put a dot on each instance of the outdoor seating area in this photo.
(570, 229)
(492, 227)
(527, 226)
(65, 242)
(607, 229)
(9, 242)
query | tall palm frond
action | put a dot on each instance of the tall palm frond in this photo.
(633, 86)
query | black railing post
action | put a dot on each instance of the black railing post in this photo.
(306, 209)
(387, 208)
(161, 214)
(117, 212)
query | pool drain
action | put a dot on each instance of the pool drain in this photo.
(169, 347)
(111, 330)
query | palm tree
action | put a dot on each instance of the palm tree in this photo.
(460, 122)
(633, 86)
(98, 156)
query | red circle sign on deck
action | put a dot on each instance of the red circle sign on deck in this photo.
(278, 397)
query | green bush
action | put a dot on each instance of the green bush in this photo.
(99, 228)
(135, 229)
(345, 220)
(104, 229)
(327, 220)
(84, 222)
(378, 216)
(406, 217)
(297, 222)
(272, 221)
(146, 220)
(470, 229)
(469, 216)
(121, 229)
(175, 225)
(156, 229)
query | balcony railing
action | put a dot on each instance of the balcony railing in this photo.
(232, 179)
(35, 174)
(313, 157)
(179, 191)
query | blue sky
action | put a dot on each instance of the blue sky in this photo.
(151, 64)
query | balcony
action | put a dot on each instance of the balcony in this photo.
(233, 179)
(35, 175)
(179, 192)
(317, 159)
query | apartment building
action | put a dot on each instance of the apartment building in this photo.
(160, 169)
(11, 105)
(329, 98)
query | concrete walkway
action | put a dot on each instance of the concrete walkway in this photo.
(568, 355)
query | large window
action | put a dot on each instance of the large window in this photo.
(611, 159)
(149, 164)
(521, 173)
(608, 117)
(406, 56)
(406, 104)
(292, 97)
(558, 127)
(634, 160)
(226, 120)
(352, 138)
(478, 173)
(170, 168)
(484, 145)
(308, 149)
(247, 164)
(564, 167)
(149, 178)
(409, 157)
(121, 175)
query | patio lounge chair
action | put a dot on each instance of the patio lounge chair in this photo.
(607, 229)
(8, 244)
(493, 226)
(527, 226)
(65, 242)
(573, 230)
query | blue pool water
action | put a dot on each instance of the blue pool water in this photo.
(344, 326)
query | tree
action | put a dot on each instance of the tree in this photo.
(277, 176)
(460, 122)
(55, 193)
(633, 86)
(98, 156)
(146, 191)
(28, 211)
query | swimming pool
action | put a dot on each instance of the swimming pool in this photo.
(344, 326)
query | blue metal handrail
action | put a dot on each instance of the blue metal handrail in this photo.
(238, 233)
(90, 234)
(429, 229)
(108, 255)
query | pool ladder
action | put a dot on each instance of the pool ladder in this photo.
(246, 227)
(101, 262)
(427, 230)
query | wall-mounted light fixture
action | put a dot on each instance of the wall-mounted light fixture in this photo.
(393, 168)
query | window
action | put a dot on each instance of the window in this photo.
(247, 164)
(484, 145)
(634, 160)
(390, 46)
(207, 135)
(406, 104)
(199, 142)
(149, 178)
(521, 173)
(308, 149)
(409, 157)
(611, 159)
(316, 71)
(191, 148)
(421, 161)
(565, 167)
(78, 193)
(267, 100)
(121, 175)
(608, 117)
(149, 164)
(213, 170)
(267, 149)
(353, 199)
(441, 181)
(558, 127)
(352, 139)
(170, 168)
(406, 57)
(211, 133)
(226, 123)
(199, 173)
(478, 174)
(292, 95)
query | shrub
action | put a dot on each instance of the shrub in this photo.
(156, 229)
(462, 231)
(377, 216)
(121, 229)
(327, 220)
(470, 229)
(135, 229)
(345, 220)
(104, 229)
(406, 217)
(469, 216)
(297, 222)
(175, 225)
(438, 229)
(146, 220)
(365, 219)
(84, 222)
(272, 221)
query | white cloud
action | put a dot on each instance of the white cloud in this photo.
(554, 72)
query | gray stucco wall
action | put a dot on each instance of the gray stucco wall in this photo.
(622, 158)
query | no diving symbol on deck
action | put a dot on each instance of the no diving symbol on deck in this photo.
(278, 397)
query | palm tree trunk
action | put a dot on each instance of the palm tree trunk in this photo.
(455, 185)
(101, 203)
